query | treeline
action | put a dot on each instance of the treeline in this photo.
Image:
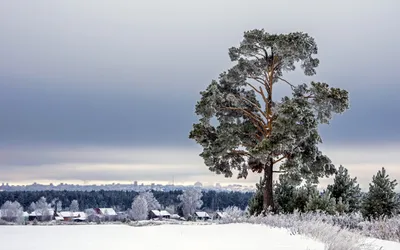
(342, 196)
(122, 200)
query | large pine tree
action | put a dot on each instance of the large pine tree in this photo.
(347, 189)
(381, 198)
(255, 132)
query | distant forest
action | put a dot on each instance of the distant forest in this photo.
(122, 200)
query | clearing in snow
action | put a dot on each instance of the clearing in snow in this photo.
(122, 237)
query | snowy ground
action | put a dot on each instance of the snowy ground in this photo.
(122, 237)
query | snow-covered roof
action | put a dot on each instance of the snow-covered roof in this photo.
(202, 214)
(73, 214)
(160, 213)
(221, 214)
(59, 218)
(107, 211)
(81, 215)
(39, 212)
(175, 216)
(66, 214)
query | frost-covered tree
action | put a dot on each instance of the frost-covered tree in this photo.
(342, 207)
(152, 202)
(32, 207)
(346, 188)
(243, 128)
(190, 201)
(381, 198)
(59, 205)
(140, 209)
(12, 211)
(74, 206)
(256, 202)
(321, 202)
(285, 196)
(42, 209)
(170, 209)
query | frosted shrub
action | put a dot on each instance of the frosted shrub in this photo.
(382, 228)
(233, 215)
(329, 229)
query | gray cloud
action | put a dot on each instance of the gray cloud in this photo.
(117, 75)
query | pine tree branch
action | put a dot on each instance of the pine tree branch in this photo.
(254, 88)
(254, 105)
(291, 85)
(258, 79)
(280, 159)
(257, 121)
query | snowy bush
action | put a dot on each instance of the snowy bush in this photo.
(383, 228)
(233, 215)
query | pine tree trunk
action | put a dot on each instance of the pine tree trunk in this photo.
(268, 200)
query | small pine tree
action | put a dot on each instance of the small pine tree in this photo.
(346, 188)
(284, 195)
(321, 202)
(341, 207)
(381, 200)
(302, 196)
(256, 202)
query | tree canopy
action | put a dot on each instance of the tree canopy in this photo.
(242, 128)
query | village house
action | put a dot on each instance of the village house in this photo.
(201, 216)
(42, 215)
(107, 214)
(159, 214)
(72, 216)
(220, 215)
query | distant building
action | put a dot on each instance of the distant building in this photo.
(72, 216)
(202, 216)
(159, 214)
(198, 184)
(106, 213)
(40, 215)
(220, 215)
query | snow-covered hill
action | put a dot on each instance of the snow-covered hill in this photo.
(121, 237)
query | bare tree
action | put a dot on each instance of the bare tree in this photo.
(139, 208)
(190, 201)
(74, 207)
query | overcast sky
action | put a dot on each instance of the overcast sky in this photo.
(104, 91)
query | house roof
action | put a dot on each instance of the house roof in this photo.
(81, 215)
(59, 218)
(160, 213)
(175, 216)
(39, 212)
(202, 214)
(66, 214)
(221, 214)
(107, 211)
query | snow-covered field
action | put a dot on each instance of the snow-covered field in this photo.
(176, 237)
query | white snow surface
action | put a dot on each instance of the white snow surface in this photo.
(177, 237)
